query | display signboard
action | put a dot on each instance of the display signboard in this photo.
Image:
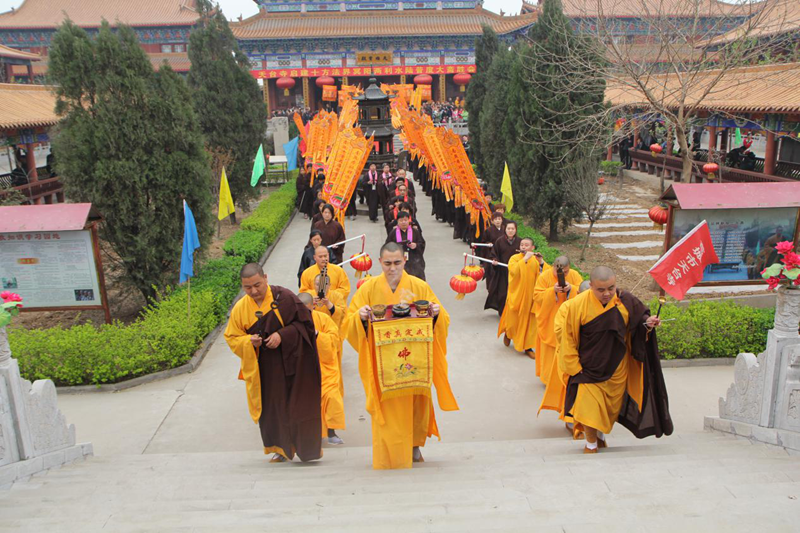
(744, 239)
(50, 269)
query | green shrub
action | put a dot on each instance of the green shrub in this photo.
(248, 244)
(610, 168)
(163, 337)
(712, 329)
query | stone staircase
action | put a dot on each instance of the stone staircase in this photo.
(690, 482)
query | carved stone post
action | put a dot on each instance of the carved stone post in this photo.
(764, 401)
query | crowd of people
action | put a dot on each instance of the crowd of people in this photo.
(446, 112)
(593, 345)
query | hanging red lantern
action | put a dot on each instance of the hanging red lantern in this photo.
(711, 169)
(462, 79)
(285, 84)
(325, 80)
(361, 265)
(423, 79)
(659, 215)
(463, 285)
(362, 281)
(474, 271)
(655, 149)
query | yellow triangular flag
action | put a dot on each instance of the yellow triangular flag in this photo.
(226, 207)
(505, 189)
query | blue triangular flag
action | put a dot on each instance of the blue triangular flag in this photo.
(290, 149)
(191, 242)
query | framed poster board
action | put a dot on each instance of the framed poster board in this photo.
(744, 239)
(54, 270)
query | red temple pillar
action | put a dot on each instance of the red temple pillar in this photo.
(770, 155)
(30, 164)
(30, 73)
(610, 154)
(712, 138)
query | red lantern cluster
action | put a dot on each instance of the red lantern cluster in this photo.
(463, 285)
(361, 265)
(711, 169)
(476, 272)
(659, 215)
(655, 149)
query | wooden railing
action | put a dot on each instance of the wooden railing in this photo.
(672, 167)
(46, 191)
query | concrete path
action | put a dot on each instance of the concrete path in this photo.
(496, 387)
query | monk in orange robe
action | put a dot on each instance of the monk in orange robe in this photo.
(600, 327)
(400, 424)
(518, 321)
(548, 296)
(328, 348)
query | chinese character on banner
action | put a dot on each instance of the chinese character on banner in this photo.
(681, 268)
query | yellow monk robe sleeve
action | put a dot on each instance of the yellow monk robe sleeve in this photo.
(544, 298)
(515, 289)
(239, 342)
(355, 333)
(307, 280)
(447, 401)
(342, 283)
(568, 359)
(327, 338)
(558, 329)
(339, 308)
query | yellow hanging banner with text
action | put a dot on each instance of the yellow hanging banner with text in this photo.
(404, 356)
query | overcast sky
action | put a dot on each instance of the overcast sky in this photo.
(246, 8)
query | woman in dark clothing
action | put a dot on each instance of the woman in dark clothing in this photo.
(305, 194)
(319, 203)
(496, 230)
(504, 248)
(307, 259)
(332, 232)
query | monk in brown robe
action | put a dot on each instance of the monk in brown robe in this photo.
(503, 250)
(413, 244)
(609, 350)
(332, 232)
(272, 332)
(404, 179)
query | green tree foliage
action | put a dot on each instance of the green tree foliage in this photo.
(130, 144)
(496, 123)
(486, 46)
(226, 97)
(550, 102)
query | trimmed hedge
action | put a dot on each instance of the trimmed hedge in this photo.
(162, 337)
(712, 329)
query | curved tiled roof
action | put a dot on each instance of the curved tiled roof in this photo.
(26, 106)
(648, 8)
(757, 89)
(89, 13)
(376, 23)
(776, 17)
(12, 53)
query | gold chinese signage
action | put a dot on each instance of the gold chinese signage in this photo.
(374, 58)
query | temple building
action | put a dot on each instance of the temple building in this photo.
(294, 43)
(163, 26)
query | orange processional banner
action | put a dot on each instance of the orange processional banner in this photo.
(426, 92)
(329, 93)
(404, 356)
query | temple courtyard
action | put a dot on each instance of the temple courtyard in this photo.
(182, 454)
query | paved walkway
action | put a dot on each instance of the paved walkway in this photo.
(496, 387)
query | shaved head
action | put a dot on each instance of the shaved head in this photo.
(250, 270)
(584, 286)
(562, 261)
(390, 247)
(306, 298)
(602, 273)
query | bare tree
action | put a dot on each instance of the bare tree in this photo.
(581, 184)
(691, 61)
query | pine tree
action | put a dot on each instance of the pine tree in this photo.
(550, 97)
(129, 143)
(227, 98)
(496, 126)
(486, 46)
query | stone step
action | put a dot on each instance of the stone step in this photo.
(639, 257)
(641, 244)
(603, 225)
(626, 233)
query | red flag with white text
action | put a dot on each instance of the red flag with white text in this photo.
(681, 268)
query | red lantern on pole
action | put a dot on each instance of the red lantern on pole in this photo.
(423, 79)
(655, 149)
(474, 271)
(462, 79)
(362, 281)
(659, 215)
(463, 285)
(285, 84)
(711, 169)
(325, 80)
(361, 265)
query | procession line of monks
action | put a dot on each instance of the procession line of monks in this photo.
(594, 346)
